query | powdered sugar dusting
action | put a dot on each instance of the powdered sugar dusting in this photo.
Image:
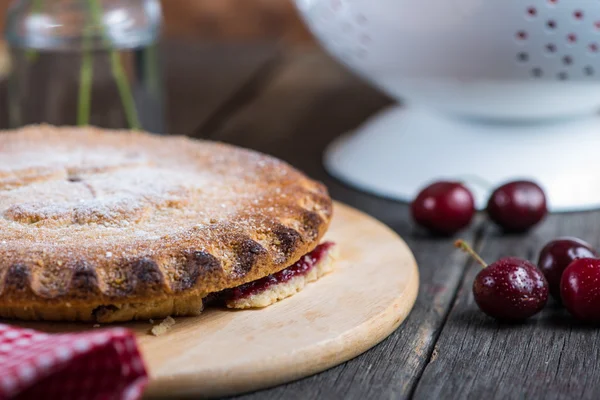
(74, 194)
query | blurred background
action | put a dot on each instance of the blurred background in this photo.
(538, 67)
(219, 34)
(229, 20)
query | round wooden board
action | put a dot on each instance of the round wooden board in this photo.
(226, 352)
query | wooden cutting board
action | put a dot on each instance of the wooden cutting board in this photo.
(225, 352)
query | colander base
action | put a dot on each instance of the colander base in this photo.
(400, 150)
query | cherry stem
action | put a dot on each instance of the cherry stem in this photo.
(462, 245)
(475, 180)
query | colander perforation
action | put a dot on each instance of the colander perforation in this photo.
(559, 41)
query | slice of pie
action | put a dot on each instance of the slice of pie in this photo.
(114, 226)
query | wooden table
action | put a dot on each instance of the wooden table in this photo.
(291, 105)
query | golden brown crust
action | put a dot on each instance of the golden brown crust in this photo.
(120, 225)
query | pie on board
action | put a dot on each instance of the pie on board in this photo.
(111, 226)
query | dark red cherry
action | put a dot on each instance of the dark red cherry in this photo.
(556, 256)
(517, 206)
(511, 289)
(580, 289)
(444, 207)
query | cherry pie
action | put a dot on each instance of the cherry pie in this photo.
(113, 226)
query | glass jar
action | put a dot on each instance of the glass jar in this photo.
(86, 62)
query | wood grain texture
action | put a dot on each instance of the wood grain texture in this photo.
(293, 109)
(308, 102)
(293, 112)
(200, 78)
(366, 297)
(342, 315)
(235, 20)
(550, 356)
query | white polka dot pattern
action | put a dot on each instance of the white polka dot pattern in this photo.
(103, 364)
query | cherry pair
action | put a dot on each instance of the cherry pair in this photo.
(516, 289)
(572, 269)
(448, 207)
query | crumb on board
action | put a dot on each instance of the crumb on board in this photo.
(163, 327)
(96, 325)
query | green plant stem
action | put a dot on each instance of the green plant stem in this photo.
(32, 54)
(150, 68)
(85, 82)
(124, 91)
(118, 71)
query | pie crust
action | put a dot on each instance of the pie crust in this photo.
(112, 226)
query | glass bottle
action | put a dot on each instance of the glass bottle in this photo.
(86, 62)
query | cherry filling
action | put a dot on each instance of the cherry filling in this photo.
(301, 267)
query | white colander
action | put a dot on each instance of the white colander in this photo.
(493, 89)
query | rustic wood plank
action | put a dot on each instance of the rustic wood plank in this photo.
(310, 101)
(200, 77)
(549, 357)
(234, 19)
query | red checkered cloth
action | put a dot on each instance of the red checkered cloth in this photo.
(101, 364)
